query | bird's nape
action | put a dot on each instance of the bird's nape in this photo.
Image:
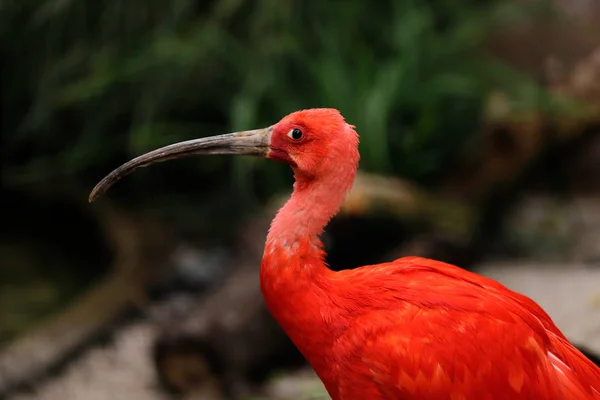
(255, 143)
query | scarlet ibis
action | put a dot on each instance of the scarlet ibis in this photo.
(410, 329)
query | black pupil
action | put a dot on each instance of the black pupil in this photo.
(296, 134)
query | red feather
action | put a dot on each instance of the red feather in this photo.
(412, 329)
(453, 335)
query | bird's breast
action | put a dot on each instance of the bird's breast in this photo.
(310, 319)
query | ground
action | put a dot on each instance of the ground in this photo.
(122, 370)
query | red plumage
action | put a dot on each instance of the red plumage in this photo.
(420, 329)
(406, 330)
(412, 329)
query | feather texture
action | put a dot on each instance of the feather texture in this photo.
(435, 331)
(412, 329)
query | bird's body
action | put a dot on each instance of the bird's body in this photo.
(412, 329)
(427, 330)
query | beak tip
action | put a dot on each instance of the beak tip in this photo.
(94, 194)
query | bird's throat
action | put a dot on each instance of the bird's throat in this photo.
(305, 215)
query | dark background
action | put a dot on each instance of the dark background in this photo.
(479, 125)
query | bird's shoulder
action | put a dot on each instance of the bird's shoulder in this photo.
(433, 284)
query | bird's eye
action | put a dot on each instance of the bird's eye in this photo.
(295, 134)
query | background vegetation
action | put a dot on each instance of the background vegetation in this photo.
(88, 85)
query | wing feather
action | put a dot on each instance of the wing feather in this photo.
(430, 330)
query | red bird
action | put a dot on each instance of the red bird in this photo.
(411, 329)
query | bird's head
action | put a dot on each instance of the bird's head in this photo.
(313, 142)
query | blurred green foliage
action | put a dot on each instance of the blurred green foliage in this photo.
(89, 84)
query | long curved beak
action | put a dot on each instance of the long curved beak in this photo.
(253, 143)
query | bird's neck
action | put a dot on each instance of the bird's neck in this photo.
(294, 255)
(295, 231)
(293, 259)
(295, 281)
